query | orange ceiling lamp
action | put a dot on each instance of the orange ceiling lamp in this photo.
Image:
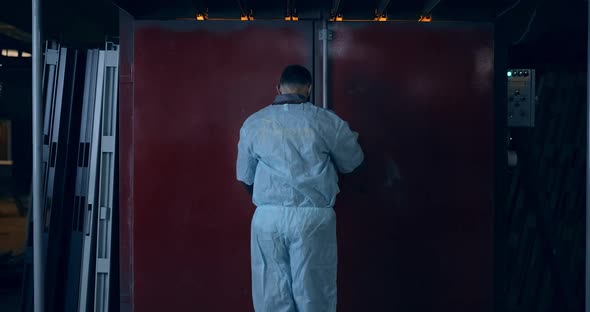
(246, 18)
(425, 18)
(382, 18)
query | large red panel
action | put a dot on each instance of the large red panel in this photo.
(194, 85)
(421, 96)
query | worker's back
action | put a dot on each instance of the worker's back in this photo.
(296, 147)
(289, 152)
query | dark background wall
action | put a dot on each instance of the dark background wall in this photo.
(546, 200)
(15, 105)
(543, 225)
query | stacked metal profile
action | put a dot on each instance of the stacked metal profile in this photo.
(78, 163)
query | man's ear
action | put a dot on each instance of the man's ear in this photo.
(309, 90)
(278, 89)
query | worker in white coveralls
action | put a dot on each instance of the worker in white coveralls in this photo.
(289, 156)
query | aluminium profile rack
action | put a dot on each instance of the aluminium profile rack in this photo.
(107, 179)
(90, 213)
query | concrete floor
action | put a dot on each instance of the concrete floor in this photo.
(12, 241)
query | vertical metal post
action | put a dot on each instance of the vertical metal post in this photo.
(587, 290)
(38, 274)
(325, 66)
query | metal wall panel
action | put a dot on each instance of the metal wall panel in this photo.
(193, 86)
(125, 146)
(420, 237)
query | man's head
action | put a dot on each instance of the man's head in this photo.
(295, 79)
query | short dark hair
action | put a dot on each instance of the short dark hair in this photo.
(295, 75)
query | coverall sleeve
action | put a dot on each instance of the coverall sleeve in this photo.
(247, 162)
(346, 151)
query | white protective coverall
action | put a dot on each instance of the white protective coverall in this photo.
(290, 153)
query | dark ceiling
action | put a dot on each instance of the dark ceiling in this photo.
(539, 31)
(311, 9)
(84, 22)
(537, 24)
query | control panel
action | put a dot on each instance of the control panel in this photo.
(521, 97)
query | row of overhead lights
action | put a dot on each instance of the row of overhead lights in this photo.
(14, 53)
(338, 18)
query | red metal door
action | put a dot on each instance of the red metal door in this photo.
(194, 85)
(421, 97)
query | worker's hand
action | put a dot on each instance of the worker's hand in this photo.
(380, 176)
(392, 174)
(249, 188)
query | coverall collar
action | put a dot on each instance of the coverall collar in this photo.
(292, 98)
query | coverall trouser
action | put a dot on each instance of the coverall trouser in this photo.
(294, 259)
